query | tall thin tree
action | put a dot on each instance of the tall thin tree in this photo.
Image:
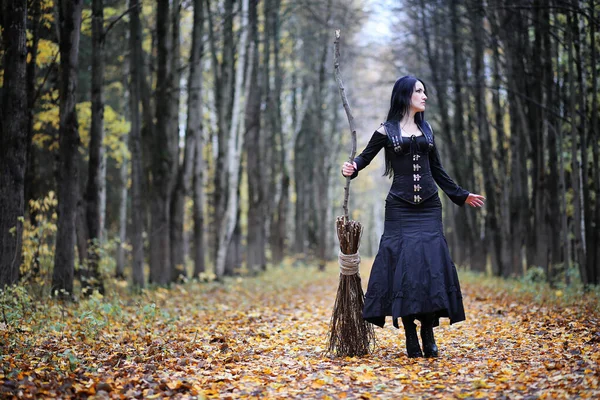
(96, 183)
(135, 144)
(193, 133)
(256, 259)
(234, 145)
(576, 168)
(162, 157)
(177, 237)
(69, 12)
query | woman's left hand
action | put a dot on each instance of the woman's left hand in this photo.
(475, 200)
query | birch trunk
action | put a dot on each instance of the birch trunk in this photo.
(234, 145)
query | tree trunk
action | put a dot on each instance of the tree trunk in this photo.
(184, 171)
(485, 140)
(223, 103)
(196, 129)
(538, 253)
(32, 188)
(30, 172)
(234, 144)
(256, 259)
(463, 228)
(81, 232)
(135, 145)
(565, 233)
(233, 258)
(13, 139)
(555, 254)
(578, 222)
(502, 191)
(586, 201)
(214, 138)
(278, 227)
(175, 82)
(124, 171)
(162, 164)
(68, 168)
(593, 259)
(321, 173)
(96, 183)
(267, 143)
(199, 257)
(303, 176)
(518, 193)
(120, 256)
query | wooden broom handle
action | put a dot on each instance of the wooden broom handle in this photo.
(338, 78)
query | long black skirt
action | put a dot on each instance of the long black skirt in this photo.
(413, 274)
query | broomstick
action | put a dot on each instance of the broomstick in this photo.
(349, 334)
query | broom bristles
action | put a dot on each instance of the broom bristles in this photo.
(349, 334)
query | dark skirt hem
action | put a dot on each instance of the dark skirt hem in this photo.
(380, 320)
(413, 273)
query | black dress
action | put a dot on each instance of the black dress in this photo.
(413, 273)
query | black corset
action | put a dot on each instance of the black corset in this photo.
(413, 181)
(415, 162)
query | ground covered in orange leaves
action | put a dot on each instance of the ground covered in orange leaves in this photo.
(263, 337)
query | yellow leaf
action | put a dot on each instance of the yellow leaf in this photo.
(318, 383)
(173, 385)
(480, 384)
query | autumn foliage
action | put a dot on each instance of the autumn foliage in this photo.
(265, 337)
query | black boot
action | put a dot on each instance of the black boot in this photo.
(429, 347)
(412, 340)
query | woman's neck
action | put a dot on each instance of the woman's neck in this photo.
(408, 119)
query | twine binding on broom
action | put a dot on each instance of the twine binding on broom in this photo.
(349, 263)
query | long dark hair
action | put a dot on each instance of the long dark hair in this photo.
(400, 106)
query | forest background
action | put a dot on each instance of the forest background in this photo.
(170, 177)
(157, 141)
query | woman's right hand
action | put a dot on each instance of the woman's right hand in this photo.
(348, 169)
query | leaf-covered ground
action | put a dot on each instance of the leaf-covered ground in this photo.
(264, 337)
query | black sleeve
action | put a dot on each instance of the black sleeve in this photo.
(457, 194)
(377, 142)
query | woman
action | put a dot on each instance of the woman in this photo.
(413, 276)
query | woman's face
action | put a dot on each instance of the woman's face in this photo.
(418, 98)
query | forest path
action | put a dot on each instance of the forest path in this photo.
(264, 337)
